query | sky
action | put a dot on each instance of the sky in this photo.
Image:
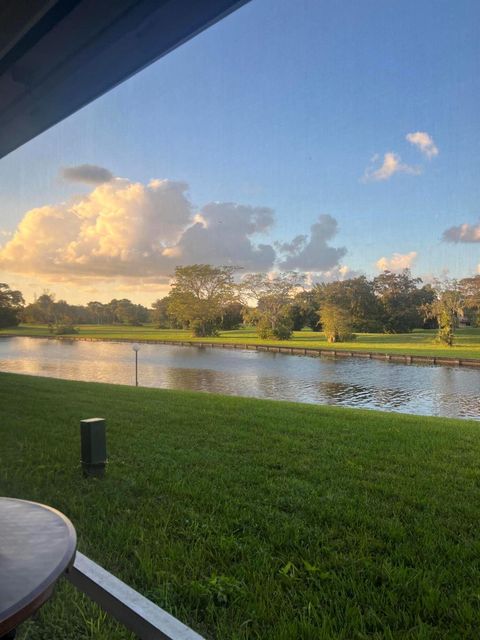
(332, 138)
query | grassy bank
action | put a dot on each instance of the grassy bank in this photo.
(420, 342)
(256, 519)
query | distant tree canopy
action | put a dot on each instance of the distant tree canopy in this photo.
(206, 299)
(42, 310)
(356, 297)
(232, 316)
(126, 312)
(470, 291)
(304, 311)
(402, 301)
(160, 315)
(46, 310)
(274, 297)
(391, 302)
(11, 304)
(200, 297)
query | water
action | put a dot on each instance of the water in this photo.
(349, 382)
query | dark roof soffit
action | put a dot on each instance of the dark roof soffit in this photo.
(73, 51)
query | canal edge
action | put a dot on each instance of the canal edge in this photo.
(297, 351)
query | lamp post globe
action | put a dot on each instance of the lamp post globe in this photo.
(136, 348)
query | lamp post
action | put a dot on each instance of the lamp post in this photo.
(136, 348)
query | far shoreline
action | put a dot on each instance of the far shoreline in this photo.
(331, 352)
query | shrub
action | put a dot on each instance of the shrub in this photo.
(202, 328)
(63, 330)
(264, 329)
(283, 330)
(336, 323)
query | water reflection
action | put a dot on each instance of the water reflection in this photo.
(350, 382)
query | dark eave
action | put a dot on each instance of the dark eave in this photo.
(56, 56)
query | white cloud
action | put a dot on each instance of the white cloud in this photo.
(424, 142)
(391, 164)
(397, 262)
(129, 230)
(87, 174)
(130, 236)
(313, 253)
(222, 235)
(462, 233)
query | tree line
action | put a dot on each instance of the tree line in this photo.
(206, 299)
(202, 296)
(61, 316)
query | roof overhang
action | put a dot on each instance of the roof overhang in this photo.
(56, 56)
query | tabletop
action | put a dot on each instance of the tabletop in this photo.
(37, 544)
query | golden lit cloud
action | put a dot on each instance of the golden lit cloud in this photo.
(126, 238)
(390, 165)
(424, 142)
(129, 230)
(397, 262)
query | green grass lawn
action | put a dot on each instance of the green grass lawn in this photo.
(420, 342)
(255, 519)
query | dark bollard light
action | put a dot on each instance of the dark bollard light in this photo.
(93, 446)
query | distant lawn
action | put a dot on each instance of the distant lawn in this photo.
(253, 519)
(420, 342)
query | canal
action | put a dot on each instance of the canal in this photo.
(349, 382)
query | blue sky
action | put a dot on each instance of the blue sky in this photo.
(283, 105)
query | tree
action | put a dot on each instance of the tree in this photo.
(336, 322)
(470, 290)
(59, 316)
(232, 316)
(41, 310)
(304, 311)
(274, 298)
(357, 297)
(11, 304)
(401, 300)
(421, 298)
(250, 316)
(97, 312)
(200, 296)
(160, 314)
(63, 313)
(445, 308)
(122, 311)
(126, 312)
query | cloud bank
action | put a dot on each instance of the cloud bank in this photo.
(130, 230)
(133, 232)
